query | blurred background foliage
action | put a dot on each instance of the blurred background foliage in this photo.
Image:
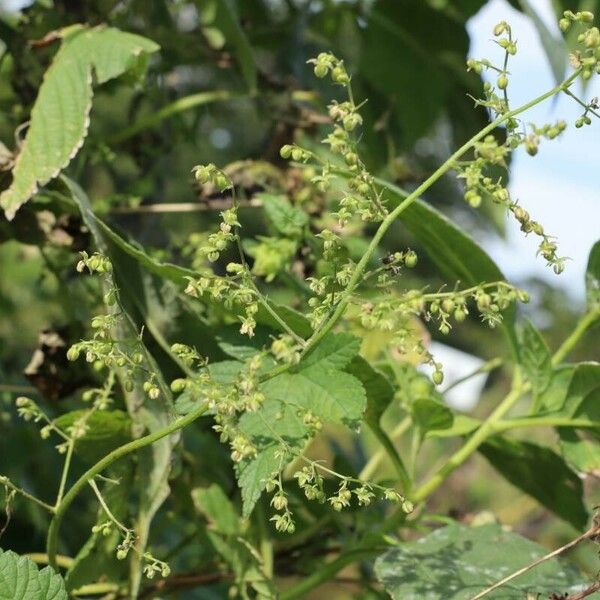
(231, 84)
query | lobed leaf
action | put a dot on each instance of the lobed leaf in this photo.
(20, 579)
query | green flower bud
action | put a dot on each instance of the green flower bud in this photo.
(437, 377)
(564, 25)
(411, 259)
(286, 151)
(321, 70)
(73, 353)
(502, 82)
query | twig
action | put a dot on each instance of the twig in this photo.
(590, 533)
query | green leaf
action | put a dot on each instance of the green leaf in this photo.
(592, 278)
(217, 508)
(535, 357)
(228, 22)
(461, 425)
(378, 388)
(60, 115)
(456, 255)
(430, 415)
(585, 380)
(331, 395)
(555, 47)
(541, 473)
(554, 396)
(456, 562)
(334, 351)
(106, 430)
(20, 579)
(285, 218)
(582, 454)
(273, 422)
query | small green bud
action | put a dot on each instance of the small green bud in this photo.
(321, 70)
(502, 81)
(297, 154)
(437, 377)
(339, 75)
(564, 25)
(411, 259)
(286, 151)
(73, 353)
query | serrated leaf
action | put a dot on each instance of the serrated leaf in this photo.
(20, 579)
(541, 473)
(456, 562)
(535, 357)
(334, 351)
(331, 395)
(554, 396)
(592, 278)
(285, 218)
(60, 115)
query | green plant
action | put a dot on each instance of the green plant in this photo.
(270, 379)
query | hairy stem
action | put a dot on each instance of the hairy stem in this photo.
(109, 459)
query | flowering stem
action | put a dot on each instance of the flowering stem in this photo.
(109, 459)
(412, 197)
(65, 471)
(10, 485)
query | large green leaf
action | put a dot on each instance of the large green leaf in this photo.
(530, 468)
(429, 414)
(60, 115)
(581, 453)
(456, 254)
(20, 579)
(456, 562)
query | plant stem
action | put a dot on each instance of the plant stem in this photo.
(373, 463)
(9, 484)
(325, 573)
(105, 507)
(519, 423)
(109, 459)
(65, 562)
(584, 324)
(412, 197)
(389, 448)
(486, 429)
(486, 367)
(65, 472)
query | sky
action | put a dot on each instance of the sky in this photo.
(560, 187)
